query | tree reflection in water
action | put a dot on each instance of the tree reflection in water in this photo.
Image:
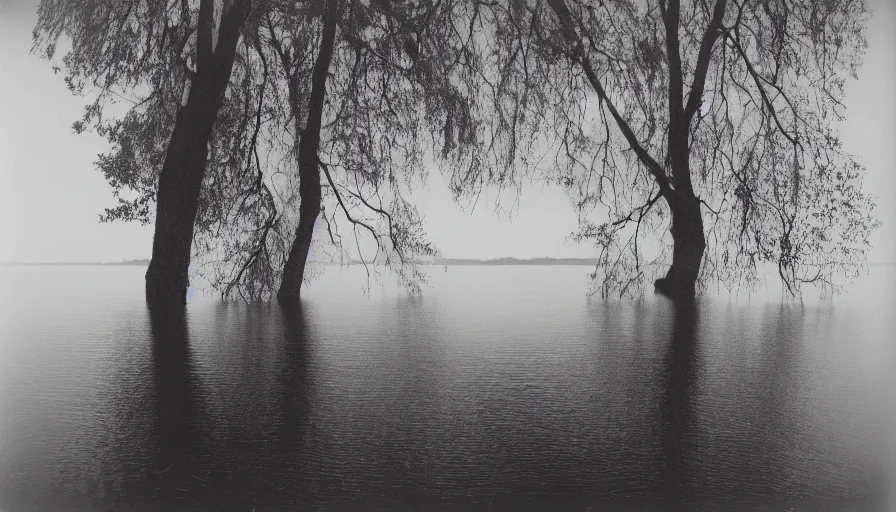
(677, 401)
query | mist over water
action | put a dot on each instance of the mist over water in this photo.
(500, 387)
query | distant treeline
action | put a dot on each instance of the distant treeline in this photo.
(142, 263)
(441, 261)
(517, 261)
(507, 261)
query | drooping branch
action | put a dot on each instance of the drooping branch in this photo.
(391, 225)
(641, 210)
(565, 18)
(261, 246)
(758, 81)
(345, 210)
(736, 147)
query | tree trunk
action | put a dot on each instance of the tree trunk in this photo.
(177, 202)
(309, 191)
(180, 181)
(309, 170)
(689, 243)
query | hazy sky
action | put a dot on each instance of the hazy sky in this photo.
(51, 193)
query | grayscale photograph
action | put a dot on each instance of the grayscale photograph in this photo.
(438, 255)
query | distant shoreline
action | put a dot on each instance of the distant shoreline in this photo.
(75, 264)
(439, 262)
(447, 262)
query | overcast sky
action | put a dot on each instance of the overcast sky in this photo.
(51, 193)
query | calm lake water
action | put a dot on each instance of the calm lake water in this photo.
(500, 388)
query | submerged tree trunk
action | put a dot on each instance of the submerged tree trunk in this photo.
(309, 169)
(185, 161)
(689, 243)
(687, 223)
(310, 193)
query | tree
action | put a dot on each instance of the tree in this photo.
(307, 151)
(725, 110)
(357, 121)
(256, 198)
(392, 80)
(185, 162)
(163, 47)
(384, 68)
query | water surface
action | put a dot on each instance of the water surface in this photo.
(502, 387)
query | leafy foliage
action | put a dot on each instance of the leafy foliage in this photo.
(587, 95)
(384, 87)
(595, 85)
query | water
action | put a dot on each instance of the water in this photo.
(502, 387)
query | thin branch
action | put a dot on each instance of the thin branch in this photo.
(758, 80)
(641, 209)
(565, 18)
(348, 215)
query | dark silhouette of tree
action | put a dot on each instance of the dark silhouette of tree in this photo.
(381, 95)
(309, 146)
(165, 47)
(353, 109)
(725, 110)
(176, 431)
(395, 90)
(374, 106)
(680, 368)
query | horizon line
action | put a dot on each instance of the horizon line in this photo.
(437, 261)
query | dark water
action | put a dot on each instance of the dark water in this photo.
(501, 388)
